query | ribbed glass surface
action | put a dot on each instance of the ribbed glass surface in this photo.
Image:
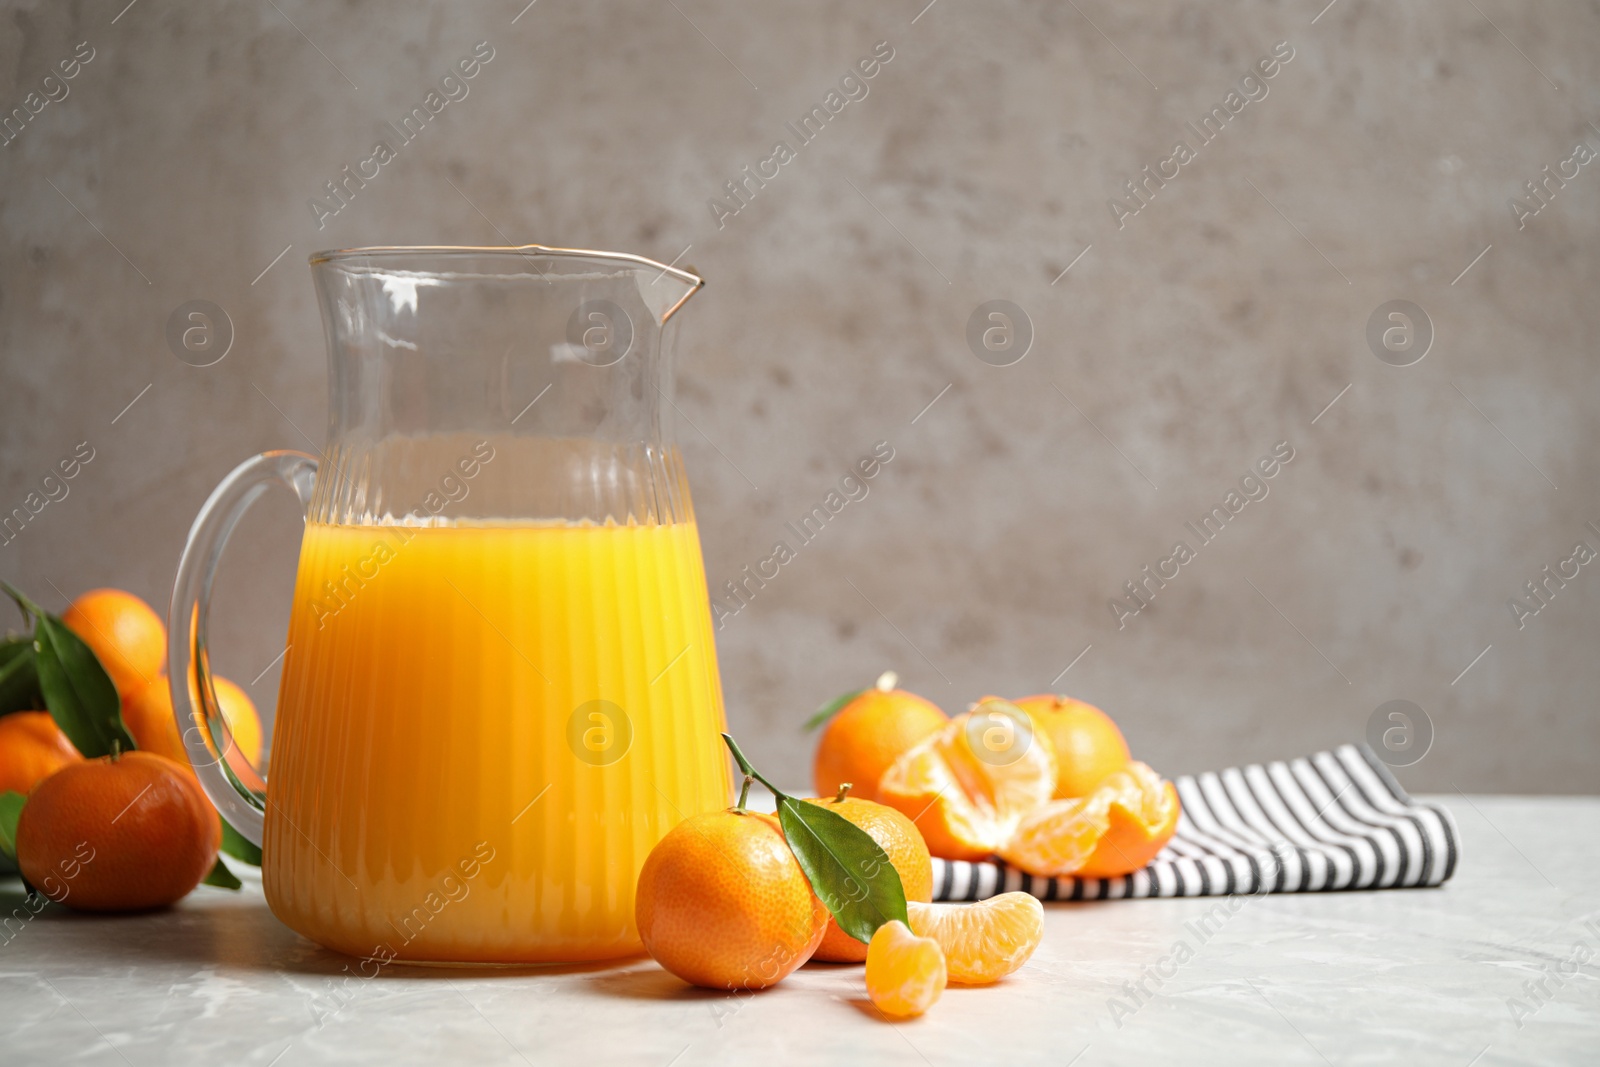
(482, 731)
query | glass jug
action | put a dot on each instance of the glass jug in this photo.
(500, 688)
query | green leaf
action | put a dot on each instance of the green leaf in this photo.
(845, 866)
(77, 690)
(19, 677)
(847, 870)
(221, 876)
(830, 709)
(234, 844)
(10, 811)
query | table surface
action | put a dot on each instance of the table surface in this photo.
(1501, 965)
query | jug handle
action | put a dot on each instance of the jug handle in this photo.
(241, 803)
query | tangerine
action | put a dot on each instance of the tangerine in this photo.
(1087, 744)
(125, 832)
(148, 714)
(900, 839)
(1058, 838)
(1142, 817)
(32, 748)
(721, 902)
(868, 734)
(1116, 830)
(968, 786)
(126, 636)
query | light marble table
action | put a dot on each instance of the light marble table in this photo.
(1419, 977)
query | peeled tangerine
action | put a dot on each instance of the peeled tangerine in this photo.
(905, 973)
(1115, 830)
(982, 942)
(969, 786)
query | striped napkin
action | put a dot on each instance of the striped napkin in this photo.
(1334, 820)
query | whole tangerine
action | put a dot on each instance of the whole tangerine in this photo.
(32, 748)
(721, 902)
(868, 734)
(1089, 747)
(900, 839)
(148, 714)
(125, 832)
(125, 634)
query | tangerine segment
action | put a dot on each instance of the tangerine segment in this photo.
(982, 942)
(1142, 816)
(721, 902)
(969, 785)
(867, 735)
(1087, 744)
(905, 973)
(1059, 837)
(907, 853)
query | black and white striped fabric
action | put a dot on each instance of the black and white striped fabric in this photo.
(1334, 820)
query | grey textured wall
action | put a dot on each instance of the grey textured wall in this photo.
(1184, 343)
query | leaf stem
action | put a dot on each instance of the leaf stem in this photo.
(28, 608)
(749, 771)
(846, 868)
(744, 793)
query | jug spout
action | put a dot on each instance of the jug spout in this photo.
(666, 288)
(663, 287)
